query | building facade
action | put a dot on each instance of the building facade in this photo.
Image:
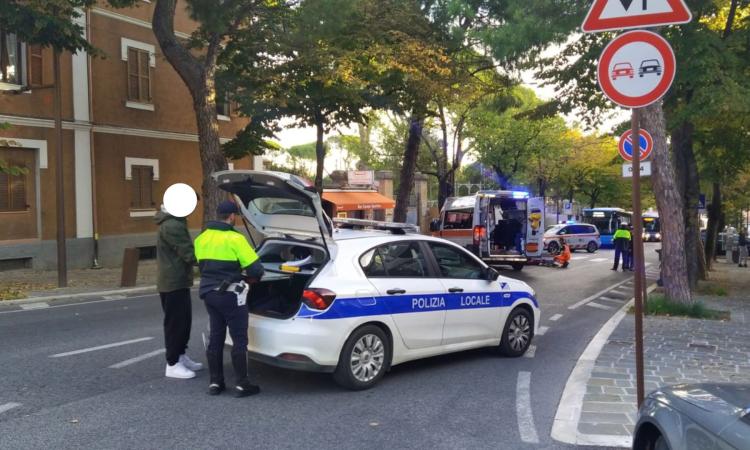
(129, 132)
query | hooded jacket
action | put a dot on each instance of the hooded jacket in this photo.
(175, 256)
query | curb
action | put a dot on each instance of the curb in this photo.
(565, 424)
(50, 298)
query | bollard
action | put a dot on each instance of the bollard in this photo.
(129, 267)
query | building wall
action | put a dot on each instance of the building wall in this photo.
(97, 142)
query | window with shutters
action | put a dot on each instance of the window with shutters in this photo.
(36, 66)
(142, 182)
(12, 67)
(13, 192)
(139, 75)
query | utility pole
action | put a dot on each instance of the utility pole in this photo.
(62, 263)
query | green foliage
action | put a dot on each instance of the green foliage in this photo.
(706, 288)
(50, 23)
(658, 305)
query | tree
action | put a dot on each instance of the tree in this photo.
(50, 23)
(195, 61)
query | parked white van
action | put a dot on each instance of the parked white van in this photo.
(500, 227)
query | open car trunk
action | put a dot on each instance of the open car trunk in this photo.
(286, 222)
(506, 228)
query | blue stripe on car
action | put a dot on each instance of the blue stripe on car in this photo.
(400, 304)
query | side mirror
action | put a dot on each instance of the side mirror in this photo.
(492, 274)
(435, 225)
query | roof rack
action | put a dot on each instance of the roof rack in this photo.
(359, 224)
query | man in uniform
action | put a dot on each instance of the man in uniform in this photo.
(223, 255)
(621, 240)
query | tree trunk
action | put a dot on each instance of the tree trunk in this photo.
(406, 179)
(198, 76)
(320, 153)
(686, 169)
(669, 204)
(714, 216)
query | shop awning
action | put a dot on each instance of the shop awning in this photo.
(358, 200)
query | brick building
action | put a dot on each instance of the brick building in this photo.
(128, 133)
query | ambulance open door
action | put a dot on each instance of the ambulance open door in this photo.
(535, 227)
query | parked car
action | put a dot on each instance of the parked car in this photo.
(579, 236)
(695, 416)
(622, 70)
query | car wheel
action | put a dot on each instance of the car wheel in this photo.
(364, 359)
(517, 267)
(517, 334)
(660, 444)
(592, 247)
(553, 247)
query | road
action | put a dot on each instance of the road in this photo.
(90, 375)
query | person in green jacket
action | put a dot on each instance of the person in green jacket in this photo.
(621, 240)
(175, 259)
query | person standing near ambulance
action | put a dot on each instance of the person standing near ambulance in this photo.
(621, 240)
(223, 255)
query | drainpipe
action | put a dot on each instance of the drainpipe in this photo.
(95, 263)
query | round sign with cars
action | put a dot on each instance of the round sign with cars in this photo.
(636, 69)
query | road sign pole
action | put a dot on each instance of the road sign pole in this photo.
(638, 254)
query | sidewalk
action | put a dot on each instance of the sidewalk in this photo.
(26, 283)
(676, 350)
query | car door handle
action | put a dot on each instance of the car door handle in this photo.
(396, 291)
(456, 289)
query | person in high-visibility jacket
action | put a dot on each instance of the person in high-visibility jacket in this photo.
(563, 258)
(223, 255)
(621, 240)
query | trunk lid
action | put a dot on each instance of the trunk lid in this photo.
(278, 205)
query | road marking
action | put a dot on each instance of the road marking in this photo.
(610, 299)
(598, 294)
(530, 352)
(524, 415)
(598, 306)
(8, 406)
(599, 259)
(36, 305)
(100, 347)
(565, 425)
(579, 258)
(555, 318)
(115, 297)
(140, 358)
(541, 331)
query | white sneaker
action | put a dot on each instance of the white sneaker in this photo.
(179, 371)
(190, 364)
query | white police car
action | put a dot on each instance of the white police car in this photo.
(355, 302)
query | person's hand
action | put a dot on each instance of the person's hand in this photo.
(249, 280)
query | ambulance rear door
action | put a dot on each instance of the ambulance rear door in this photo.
(534, 227)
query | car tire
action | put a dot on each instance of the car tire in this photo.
(553, 247)
(660, 443)
(591, 247)
(517, 267)
(372, 342)
(517, 333)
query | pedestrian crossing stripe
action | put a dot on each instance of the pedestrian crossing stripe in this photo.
(599, 259)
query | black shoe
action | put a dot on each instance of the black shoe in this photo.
(614, 268)
(216, 389)
(246, 390)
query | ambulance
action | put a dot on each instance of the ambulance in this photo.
(502, 228)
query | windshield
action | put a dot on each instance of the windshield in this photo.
(270, 205)
(553, 230)
(651, 225)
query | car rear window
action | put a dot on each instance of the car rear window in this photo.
(270, 205)
(458, 219)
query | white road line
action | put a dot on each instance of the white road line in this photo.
(610, 299)
(524, 415)
(530, 352)
(8, 406)
(579, 258)
(100, 347)
(541, 331)
(555, 318)
(140, 358)
(597, 305)
(599, 259)
(598, 294)
(36, 305)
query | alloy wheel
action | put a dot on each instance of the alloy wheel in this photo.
(367, 358)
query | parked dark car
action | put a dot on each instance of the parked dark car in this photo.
(695, 416)
(649, 66)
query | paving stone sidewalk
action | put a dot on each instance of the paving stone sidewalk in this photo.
(676, 350)
(18, 284)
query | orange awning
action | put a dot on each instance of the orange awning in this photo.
(358, 200)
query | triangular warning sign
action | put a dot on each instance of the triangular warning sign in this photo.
(607, 15)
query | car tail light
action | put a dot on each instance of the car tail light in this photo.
(480, 232)
(317, 298)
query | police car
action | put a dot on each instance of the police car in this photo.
(356, 302)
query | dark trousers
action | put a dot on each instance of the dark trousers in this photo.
(223, 312)
(178, 318)
(620, 251)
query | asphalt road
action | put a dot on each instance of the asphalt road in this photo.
(117, 397)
